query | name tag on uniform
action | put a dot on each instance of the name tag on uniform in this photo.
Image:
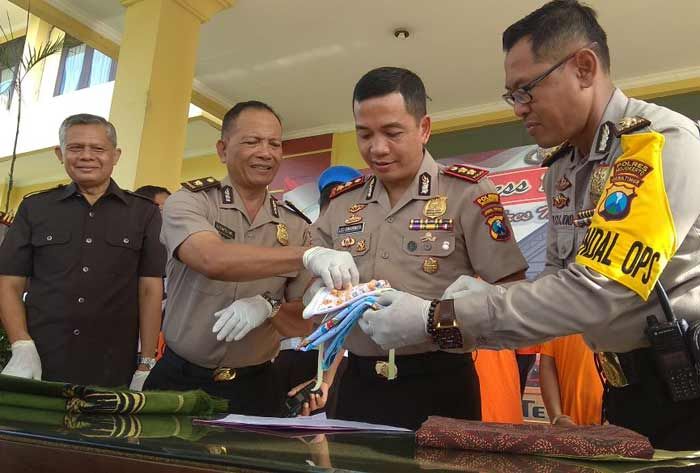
(356, 228)
(224, 231)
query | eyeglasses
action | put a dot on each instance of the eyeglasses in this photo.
(522, 94)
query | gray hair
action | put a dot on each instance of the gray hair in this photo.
(86, 119)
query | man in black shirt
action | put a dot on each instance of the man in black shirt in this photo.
(94, 262)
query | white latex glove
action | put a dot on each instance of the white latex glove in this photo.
(399, 323)
(25, 361)
(463, 284)
(337, 269)
(309, 294)
(138, 379)
(236, 320)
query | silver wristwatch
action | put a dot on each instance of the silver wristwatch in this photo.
(275, 303)
(145, 360)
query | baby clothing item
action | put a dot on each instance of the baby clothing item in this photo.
(331, 300)
(335, 329)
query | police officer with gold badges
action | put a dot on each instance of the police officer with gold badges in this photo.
(418, 225)
(235, 253)
(628, 171)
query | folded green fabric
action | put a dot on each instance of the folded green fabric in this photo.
(32, 416)
(108, 425)
(20, 392)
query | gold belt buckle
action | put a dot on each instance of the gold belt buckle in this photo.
(224, 374)
(612, 370)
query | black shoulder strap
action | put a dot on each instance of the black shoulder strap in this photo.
(293, 208)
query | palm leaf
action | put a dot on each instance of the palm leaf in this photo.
(9, 56)
(7, 34)
(7, 59)
(35, 55)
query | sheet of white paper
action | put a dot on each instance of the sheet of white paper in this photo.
(318, 422)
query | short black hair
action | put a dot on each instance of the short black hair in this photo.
(554, 25)
(151, 191)
(387, 80)
(239, 108)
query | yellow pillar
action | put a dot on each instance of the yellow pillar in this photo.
(345, 151)
(38, 35)
(154, 85)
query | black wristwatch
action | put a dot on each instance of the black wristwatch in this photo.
(275, 303)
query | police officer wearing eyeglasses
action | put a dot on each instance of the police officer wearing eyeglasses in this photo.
(624, 200)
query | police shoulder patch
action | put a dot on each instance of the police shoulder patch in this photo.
(631, 124)
(552, 154)
(343, 188)
(468, 173)
(201, 184)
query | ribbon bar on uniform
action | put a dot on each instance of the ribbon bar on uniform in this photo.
(431, 224)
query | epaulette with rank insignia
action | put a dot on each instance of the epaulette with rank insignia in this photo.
(630, 124)
(293, 208)
(201, 184)
(342, 188)
(552, 154)
(467, 173)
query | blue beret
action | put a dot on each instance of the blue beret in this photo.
(337, 174)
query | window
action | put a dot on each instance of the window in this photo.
(82, 66)
(10, 55)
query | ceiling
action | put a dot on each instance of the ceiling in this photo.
(303, 57)
(13, 17)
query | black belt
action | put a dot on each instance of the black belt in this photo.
(220, 374)
(411, 365)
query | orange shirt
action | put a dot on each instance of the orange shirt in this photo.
(161, 346)
(579, 384)
(500, 386)
(533, 350)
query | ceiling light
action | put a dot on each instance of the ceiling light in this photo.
(401, 33)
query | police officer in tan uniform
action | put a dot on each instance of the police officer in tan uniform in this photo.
(235, 254)
(418, 225)
(629, 171)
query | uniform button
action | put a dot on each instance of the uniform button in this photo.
(85, 269)
(126, 241)
(49, 237)
(385, 254)
(81, 300)
(88, 240)
(249, 235)
(390, 219)
(76, 332)
(91, 214)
